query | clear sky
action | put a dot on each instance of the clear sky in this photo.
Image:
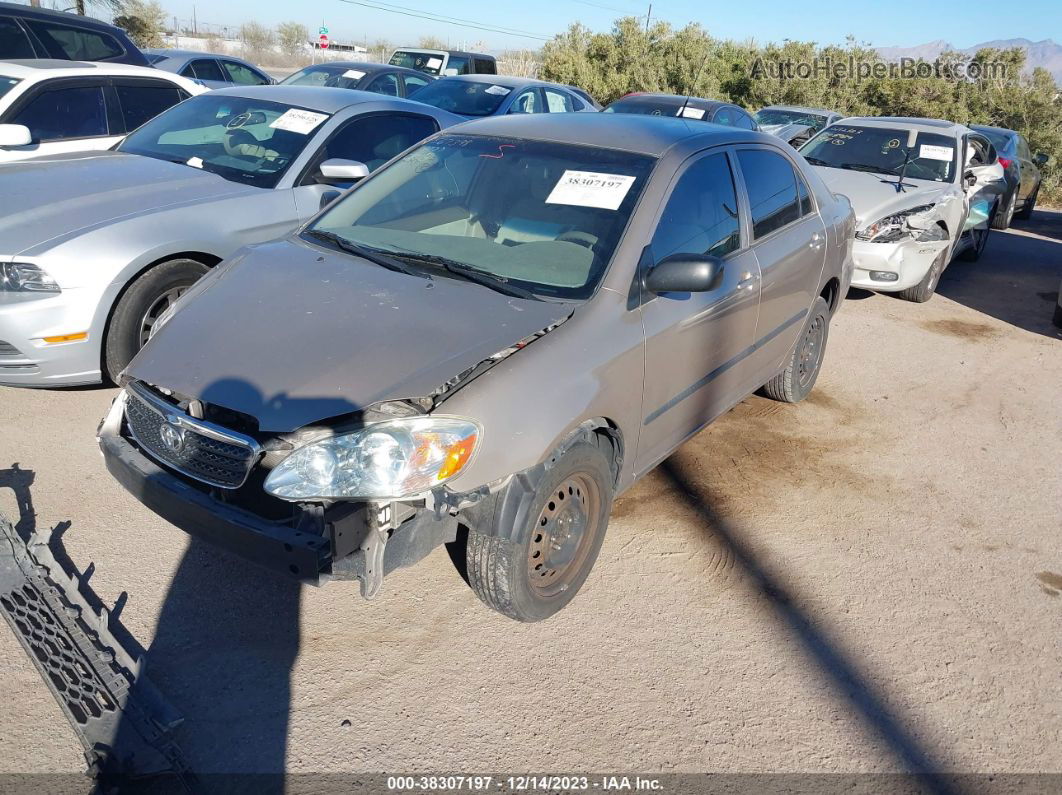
(825, 21)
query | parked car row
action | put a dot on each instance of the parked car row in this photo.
(350, 327)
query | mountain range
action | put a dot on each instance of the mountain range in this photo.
(1044, 53)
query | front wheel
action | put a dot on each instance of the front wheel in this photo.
(530, 572)
(797, 380)
(924, 290)
(140, 307)
(978, 242)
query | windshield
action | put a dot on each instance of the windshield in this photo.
(251, 141)
(883, 150)
(769, 116)
(326, 75)
(430, 62)
(7, 83)
(464, 97)
(655, 106)
(536, 216)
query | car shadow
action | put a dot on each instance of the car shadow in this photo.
(848, 677)
(1017, 278)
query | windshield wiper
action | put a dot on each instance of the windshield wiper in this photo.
(816, 162)
(372, 255)
(863, 167)
(499, 284)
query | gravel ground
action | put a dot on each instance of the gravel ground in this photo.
(864, 582)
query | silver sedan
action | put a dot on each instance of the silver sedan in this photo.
(97, 245)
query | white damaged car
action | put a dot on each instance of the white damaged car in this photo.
(924, 191)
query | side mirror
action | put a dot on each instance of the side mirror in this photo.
(15, 135)
(1041, 158)
(338, 170)
(685, 273)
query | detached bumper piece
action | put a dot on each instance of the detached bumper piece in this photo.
(122, 721)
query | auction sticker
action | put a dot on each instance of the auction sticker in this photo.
(692, 113)
(500, 90)
(590, 189)
(353, 74)
(929, 152)
(298, 121)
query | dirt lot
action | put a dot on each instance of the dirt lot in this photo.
(867, 581)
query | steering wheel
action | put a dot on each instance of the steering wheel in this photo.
(240, 143)
(579, 238)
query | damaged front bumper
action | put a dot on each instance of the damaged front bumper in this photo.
(891, 267)
(363, 541)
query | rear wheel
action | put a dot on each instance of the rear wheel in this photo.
(1025, 213)
(1002, 219)
(924, 290)
(797, 380)
(530, 572)
(151, 294)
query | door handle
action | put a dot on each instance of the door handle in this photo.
(748, 281)
(817, 240)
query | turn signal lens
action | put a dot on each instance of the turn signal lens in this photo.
(456, 457)
(81, 335)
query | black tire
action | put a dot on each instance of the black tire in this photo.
(798, 378)
(980, 240)
(1001, 220)
(924, 290)
(501, 561)
(143, 301)
(1026, 211)
(1057, 319)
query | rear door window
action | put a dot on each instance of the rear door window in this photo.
(75, 44)
(206, 69)
(244, 76)
(558, 101)
(485, 66)
(723, 116)
(144, 100)
(771, 186)
(70, 112)
(14, 43)
(386, 84)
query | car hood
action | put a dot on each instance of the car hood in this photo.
(57, 197)
(293, 334)
(875, 196)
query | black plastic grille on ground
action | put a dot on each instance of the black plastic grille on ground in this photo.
(76, 684)
(210, 460)
(7, 349)
(124, 724)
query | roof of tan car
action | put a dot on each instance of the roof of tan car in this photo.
(648, 135)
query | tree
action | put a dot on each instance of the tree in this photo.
(431, 43)
(143, 20)
(293, 37)
(257, 40)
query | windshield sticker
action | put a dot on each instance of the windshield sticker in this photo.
(194, 162)
(498, 90)
(929, 152)
(302, 122)
(692, 113)
(590, 189)
(434, 63)
(353, 74)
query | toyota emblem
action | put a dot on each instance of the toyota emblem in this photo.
(172, 437)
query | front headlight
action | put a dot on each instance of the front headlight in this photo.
(24, 277)
(388, 460)
(892, 227)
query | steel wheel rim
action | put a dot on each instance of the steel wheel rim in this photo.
(810, 351)
(563, 534)
(155, 310)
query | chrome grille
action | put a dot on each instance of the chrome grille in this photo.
(196, 448)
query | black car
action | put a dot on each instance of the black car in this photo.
(27, 32)
(391, 81)
(695, 108)
(1022, 171)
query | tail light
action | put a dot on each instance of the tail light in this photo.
(1005, 162)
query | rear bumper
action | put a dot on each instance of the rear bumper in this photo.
(293, 552)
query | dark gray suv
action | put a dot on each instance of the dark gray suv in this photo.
(38, 33)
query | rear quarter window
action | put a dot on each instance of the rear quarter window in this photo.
(75, 44)
(14, 43)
